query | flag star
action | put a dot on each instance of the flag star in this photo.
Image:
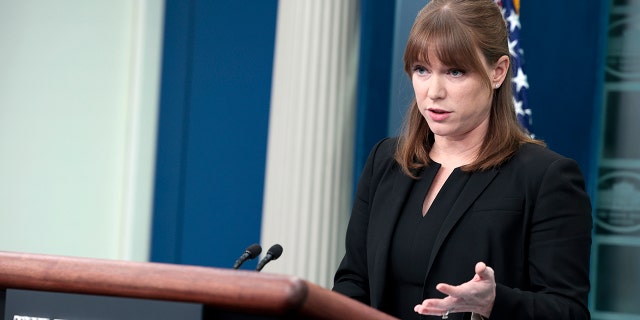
(520, 80)
(518, 105)
(514, 21)
(512, 48)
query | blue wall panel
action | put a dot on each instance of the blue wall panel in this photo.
(172, 123)
(562, 44)
(218, 179)
(374, 77)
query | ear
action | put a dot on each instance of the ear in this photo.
(500, 71)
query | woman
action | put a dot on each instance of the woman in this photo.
(465, 216)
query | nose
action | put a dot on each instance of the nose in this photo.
(436, 88)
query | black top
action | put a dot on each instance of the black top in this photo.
(413, 240)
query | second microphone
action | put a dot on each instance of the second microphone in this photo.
(272, 254)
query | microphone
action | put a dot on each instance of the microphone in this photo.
(272, 254)
(251, 252)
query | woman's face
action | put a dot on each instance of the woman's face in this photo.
(455, 103)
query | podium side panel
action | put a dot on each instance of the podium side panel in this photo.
(28, 304)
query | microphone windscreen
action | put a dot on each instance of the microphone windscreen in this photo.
(254, 250)
(276, 251)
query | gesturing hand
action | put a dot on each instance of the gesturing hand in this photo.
(476, 295)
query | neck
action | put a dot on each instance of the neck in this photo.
(454, 153)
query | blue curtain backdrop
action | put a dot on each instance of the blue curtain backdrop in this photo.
(563, 44)
(213, 122)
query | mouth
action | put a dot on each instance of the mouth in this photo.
(438, 111)
(437, 114)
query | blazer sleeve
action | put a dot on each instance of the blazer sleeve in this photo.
(351, 278)
(559, 251)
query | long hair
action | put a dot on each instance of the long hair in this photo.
(456, 30)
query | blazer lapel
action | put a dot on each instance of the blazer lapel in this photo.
(388, 214)
(476, 184)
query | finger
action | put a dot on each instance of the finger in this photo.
(447, 289)
(429, 310)
(435, 303)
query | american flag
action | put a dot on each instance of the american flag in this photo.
(511, 13)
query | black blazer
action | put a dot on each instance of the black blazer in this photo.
(530, 220)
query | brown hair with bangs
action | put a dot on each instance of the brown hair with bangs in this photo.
(457, 30)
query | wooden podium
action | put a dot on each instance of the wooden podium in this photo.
(223, 293)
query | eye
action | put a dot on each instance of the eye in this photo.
(456, 73)
(420, 70)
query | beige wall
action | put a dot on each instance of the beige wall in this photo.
(78, 107)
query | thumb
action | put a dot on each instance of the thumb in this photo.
(483, 271)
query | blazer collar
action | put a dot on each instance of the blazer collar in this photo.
(472, 190)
